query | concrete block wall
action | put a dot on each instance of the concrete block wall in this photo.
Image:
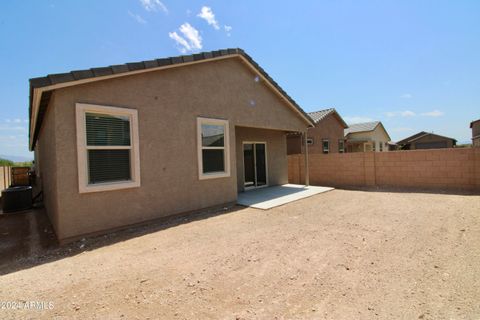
(443, 169)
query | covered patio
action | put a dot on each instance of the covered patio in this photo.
(270, 197)
(359, 145)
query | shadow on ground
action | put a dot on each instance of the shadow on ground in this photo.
(27, 238)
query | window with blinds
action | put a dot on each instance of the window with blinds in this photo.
(108, 145)
(108, 151)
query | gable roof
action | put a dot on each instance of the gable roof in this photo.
(362, 127)
(409, 139)
(318, 116)
(365, 127)
(420, 135)
(41, 88)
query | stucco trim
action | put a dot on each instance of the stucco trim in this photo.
(83, 186)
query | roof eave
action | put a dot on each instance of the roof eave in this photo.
(53, 82)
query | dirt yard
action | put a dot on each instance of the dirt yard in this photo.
(338, 255)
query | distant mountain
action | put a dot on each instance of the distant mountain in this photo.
(16, 158)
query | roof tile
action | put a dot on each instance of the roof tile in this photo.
(40, 82)
(150, 64)
(188, 58)
(82, 74)
(317, 116)
(133, 66)
(61, 77)
(361, 127)
(100, 72)
(164, 62)
(120, 68)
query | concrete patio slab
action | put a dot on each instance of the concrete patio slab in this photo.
(270, 197)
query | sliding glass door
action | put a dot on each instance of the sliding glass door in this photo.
(255, 164)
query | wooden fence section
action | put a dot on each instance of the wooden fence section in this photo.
(5, 177)
(425, 169)
(20, 176)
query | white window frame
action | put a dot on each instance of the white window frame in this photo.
(327, 151)
(82, 149)
(226, 148)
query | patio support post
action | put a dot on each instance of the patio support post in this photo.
(307, 179)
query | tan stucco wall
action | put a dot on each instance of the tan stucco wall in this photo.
(46, 157)
(476, 128)
(168, 104)
(294, 144)
(429, 139)
(476, 142)
(329, 128)
(378, 135)
(276, 146)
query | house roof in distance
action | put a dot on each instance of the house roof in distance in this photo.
(318, 116)
(365, 127)
(43, 86)
(362, 127)
(420, 135)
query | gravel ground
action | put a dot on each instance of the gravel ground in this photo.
(338, 255)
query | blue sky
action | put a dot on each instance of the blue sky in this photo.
(414, 65)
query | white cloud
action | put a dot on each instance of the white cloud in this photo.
(191, 39)
(406, 113)
(184, 46)
(227, 30)
(357, 119)
(10, 127)
(154, 5)
(137, 18)
(434, 113)
(406, 96)
(207, 14)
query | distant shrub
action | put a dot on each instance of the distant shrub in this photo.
(23, 164)
(5, 162)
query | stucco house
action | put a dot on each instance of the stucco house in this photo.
(125, 144)
(326, 137)
(367, 136)
(426, 140)
(475, 126)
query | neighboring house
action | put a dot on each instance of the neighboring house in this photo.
(426, 140)
(475, 126)
(367, 136)
(125, 144)
(326, 137)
